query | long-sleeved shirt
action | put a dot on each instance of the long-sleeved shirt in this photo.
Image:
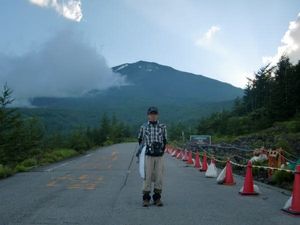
(152, 132)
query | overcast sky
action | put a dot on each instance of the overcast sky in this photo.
(225, 40)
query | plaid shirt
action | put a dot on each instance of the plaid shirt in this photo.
(150, 133)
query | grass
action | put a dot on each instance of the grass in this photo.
(6, 171)
(46, 158)
(57, 155)
(283, 179)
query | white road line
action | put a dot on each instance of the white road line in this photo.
(50, 169)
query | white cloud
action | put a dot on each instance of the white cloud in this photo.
(290, 44)
(207, 38)
(70, 9)
(227, 64)
(64, 66)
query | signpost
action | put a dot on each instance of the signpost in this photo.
(201, 139)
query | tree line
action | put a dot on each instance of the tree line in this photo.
(272, 95)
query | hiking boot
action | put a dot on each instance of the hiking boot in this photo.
(146, 198)
(158, 202)
(146, 203)
(156, 198)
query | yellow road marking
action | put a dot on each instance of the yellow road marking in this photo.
(51, 183)
(73, 187)
(90, 186)
(83, 181)
(82, 177)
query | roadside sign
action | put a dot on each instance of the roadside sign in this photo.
(201, 139)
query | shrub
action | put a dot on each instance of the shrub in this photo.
(281, 178)
(31, 162)
(108, 142)
(281, 143)
(6, 171)
(57, 155)
(64, 153)
(21, 168)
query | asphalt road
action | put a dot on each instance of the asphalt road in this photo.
(104, 188)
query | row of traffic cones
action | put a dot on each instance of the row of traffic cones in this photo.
(292, 206)
(226, 178)
(187, 156)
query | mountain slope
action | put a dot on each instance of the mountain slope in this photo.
(180, 96)
(150, 80)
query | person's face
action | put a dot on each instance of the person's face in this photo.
(152, 117)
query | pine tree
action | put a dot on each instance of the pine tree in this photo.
(11, 130)
(105, 129)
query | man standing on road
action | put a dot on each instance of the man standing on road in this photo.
(153, 135)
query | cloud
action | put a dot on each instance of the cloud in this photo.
(70, 9)
(227, 63)
(207, 38)
(290, 44)
(62, 67)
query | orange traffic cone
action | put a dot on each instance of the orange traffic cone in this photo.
(229, 180)
(249, 188)
(168, 150)
(190, 158)
(185, 156)
(179, 155)
(204, 163)
(173, 154)
(293, 204)
(197, 161)
(182, 154)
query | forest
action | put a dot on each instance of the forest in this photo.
(25, 143)
(273, 95)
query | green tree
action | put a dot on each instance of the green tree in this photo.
(12, 131)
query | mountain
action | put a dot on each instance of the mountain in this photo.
(150, 80)
(179, 95)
